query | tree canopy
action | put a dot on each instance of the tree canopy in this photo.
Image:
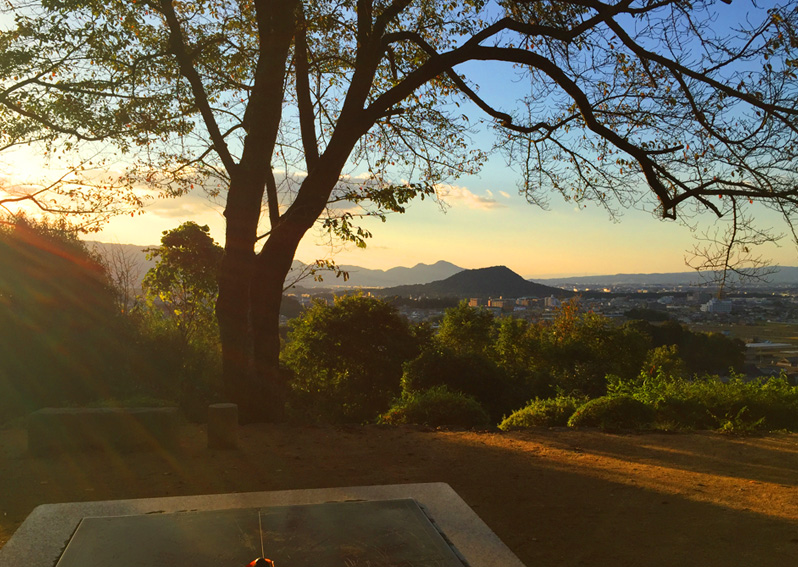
(298, 112)
(184, 278)
(60, 335)
(347, 358)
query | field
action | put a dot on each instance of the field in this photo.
(773, 332)
(555, 497)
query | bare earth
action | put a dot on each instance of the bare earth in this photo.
(556, 498)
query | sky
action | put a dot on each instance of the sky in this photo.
(483, 222)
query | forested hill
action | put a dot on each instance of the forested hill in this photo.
(497, 281)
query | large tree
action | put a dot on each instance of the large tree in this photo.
(287, 108)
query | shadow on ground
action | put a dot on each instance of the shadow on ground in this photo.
(556, 498)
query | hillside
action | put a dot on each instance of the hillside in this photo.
(782, 275)
(497, 281)
(365, 277)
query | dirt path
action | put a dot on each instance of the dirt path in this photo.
(556, 498)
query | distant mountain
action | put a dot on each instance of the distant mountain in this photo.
(497, 281)
(783, 275)
(364, 277)
(133, 254)
(358, 277)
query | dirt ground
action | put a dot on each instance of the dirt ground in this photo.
(555, 497)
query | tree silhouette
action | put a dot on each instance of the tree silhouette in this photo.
(299, 112)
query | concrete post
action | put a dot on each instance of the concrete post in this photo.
(222, 426)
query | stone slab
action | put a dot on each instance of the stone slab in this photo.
(356, 534)
(44, 535)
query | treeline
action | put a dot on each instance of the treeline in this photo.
(358, 360)
(71, 334)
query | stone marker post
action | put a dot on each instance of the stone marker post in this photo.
(223, 426)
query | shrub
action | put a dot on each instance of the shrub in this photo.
(710, 403)
(470, 373)
(346, 359)
(62, 340)
(550, 412)
(613, 412)
(436, 406)
(170, 366)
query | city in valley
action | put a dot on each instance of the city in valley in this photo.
(761, 312)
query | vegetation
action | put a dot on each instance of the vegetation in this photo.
(65, 339)
(548, 412)
(436, 407)
(346, 359)
(613, 412)
(675, 112)
(710, 403)
(61, 339)
(183, 280)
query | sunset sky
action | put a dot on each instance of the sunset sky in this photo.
(486, 222)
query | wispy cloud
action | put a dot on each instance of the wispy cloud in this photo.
(455, 195)
(504, 194)
(185, 207)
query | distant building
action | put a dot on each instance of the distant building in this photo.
(475, 302)
(502, 304)
(715, 305)
(552, 302)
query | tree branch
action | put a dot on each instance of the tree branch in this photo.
(178, 48)
(305, 105)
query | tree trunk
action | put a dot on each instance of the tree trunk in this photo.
(233, 309)
(243, 382)
(271, 268)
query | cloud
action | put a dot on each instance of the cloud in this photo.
(504, 194)
(183, 207)
(455, 195)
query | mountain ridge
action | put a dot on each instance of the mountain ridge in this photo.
(374, 278)
(781, 275)
(494, 281)
(423, 273)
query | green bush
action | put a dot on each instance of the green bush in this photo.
(550, 412)
(168, 365)
(436, 406)
(613, 412)
(346, 359)
(710, 403)
(471, 373)
(62, 339)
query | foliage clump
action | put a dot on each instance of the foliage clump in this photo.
(613, 413)
(62, 340)
(346, 359)
(548, 412)
(711, 403)
(474, 375)
(436, 407)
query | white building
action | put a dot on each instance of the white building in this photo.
(717, 306)
(552, 302)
